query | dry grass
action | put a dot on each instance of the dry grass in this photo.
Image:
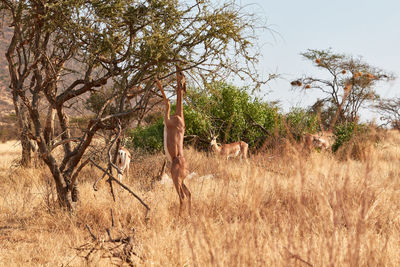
(289, 210)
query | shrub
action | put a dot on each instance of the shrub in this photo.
(231, 113)
(148, 138)
(344, 133)
(352, 140)
(301, 122)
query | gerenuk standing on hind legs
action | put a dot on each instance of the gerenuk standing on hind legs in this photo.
(174, 131)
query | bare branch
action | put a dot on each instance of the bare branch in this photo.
(91, 233)
(122, 185)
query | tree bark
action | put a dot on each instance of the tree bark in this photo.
(24, 126)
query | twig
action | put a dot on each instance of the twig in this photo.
(98, 180)
(91, 233)
(110, 164)
(109, 233)
(297, 257)
(62, 142)
(109, 181)
(112, 218)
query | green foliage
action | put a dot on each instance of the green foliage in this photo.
(95, 102)
(230, 112)
(222, 109)
(300, 122)
(345, 132)
(73, 47)
(197, 123)
(149, 138)
(267, 116)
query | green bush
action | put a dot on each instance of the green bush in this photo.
(234, 115)
(301, 122)
(229, 112)
(149, 138)
(346, 132)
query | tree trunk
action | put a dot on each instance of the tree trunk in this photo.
(26, 157)
(64, 198)
(23, 121)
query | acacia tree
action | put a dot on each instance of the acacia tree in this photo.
(389, 109)
(349, 84)
(62, 50)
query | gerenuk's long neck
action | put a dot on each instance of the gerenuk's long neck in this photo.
(179, 103)
(179, 95)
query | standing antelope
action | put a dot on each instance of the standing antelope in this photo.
(174, 130)
(123, 161)
(230, 150)
(322, 140)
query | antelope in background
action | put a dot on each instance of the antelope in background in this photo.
(123, 161)
(230, 150)
(174, 130)
(322, 140)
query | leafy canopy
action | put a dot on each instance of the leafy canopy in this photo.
(63, 50)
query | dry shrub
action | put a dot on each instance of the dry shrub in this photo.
(145, 168)
(360, 145)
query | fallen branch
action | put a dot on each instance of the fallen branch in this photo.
(91, 233)
(122, 248)
(112, 218)
(121, 184)
(291, 255)
(98, 180)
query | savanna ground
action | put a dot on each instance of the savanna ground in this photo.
(287, 209)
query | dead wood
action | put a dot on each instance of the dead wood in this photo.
(121, 248)
(297, 257)
(122, 185)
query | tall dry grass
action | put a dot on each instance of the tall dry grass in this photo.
(287, 210)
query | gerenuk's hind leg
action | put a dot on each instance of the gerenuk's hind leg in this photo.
(189, 197)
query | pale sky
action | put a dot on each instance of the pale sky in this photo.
(370, 29)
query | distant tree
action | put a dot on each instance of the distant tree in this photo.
(63, 50)
(349, 85)
(389, 109)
